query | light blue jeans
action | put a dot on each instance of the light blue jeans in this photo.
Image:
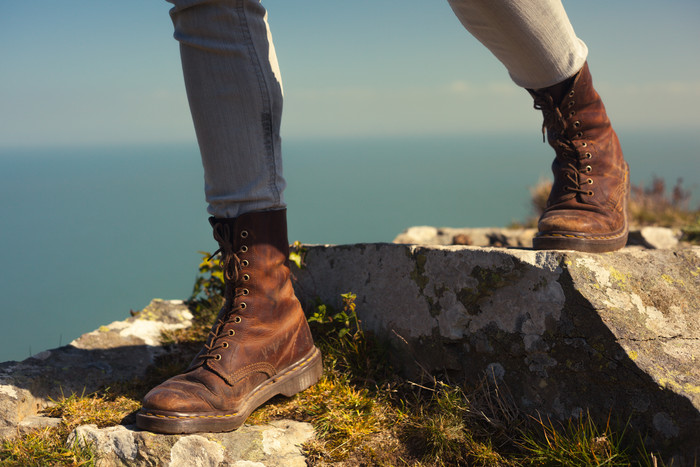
(235, 90)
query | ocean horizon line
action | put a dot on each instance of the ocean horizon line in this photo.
(526, 134)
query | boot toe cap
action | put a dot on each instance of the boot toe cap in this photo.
(175, 396)
(574, 222)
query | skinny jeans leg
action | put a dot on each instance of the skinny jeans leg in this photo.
(532, 38)
(234, 91)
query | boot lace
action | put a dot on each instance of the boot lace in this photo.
(554, 122)
(233, 278)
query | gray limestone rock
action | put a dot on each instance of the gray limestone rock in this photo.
(566, 331)
(276, 444)
(647, 237)
(117, 352)
(476, 236)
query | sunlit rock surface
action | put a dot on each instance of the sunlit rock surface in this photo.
(566, 332)
(277, 444)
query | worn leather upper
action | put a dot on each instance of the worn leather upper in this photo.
(591, 178)
(260, 330)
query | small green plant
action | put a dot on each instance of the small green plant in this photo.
(297, 254)
(337, 324)
(340, 336)
(208, 291)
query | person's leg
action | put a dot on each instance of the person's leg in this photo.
(260, 345)
(587, 208)
(235, 95)
(532, 38)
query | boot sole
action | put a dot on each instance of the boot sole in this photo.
(288, 382)
(579, 243)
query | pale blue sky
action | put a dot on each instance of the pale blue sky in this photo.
(93, 71)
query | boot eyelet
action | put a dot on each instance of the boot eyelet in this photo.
(237, 319)
(572, 113)
(231, 332)
(590, 193)
(225, 345)
(246, 291)
(590, 181)
(589, 168)
(245, 263)
(571, 94)
(577, 124)
(244, 249)
(584, 144)
(588, 155)
(246, 277)
(579, 134)
(243, 306)
(244, 234)
(571, 103)
(217, 357)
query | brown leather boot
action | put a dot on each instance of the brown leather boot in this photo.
(587, 207)
(260, 345)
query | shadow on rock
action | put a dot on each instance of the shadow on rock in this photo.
(567, 333)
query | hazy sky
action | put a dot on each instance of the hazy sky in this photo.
(97, 71)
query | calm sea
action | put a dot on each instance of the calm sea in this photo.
(86, 234)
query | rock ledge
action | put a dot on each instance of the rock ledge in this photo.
(567, 332)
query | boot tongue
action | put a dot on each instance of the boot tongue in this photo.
(559, 90)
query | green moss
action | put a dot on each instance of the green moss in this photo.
(418, 274)
(469, 298)
(488, 280)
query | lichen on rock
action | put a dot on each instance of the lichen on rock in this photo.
(569, 331)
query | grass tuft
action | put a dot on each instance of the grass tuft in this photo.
(102, 409)
(44, 447)
(579, 442)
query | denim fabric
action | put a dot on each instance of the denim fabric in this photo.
(532, 38)
(235, 90)
(235, 96)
